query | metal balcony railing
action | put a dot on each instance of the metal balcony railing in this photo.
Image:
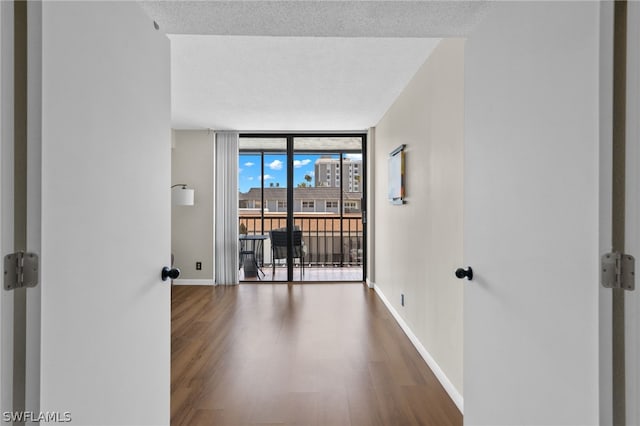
(329, 239)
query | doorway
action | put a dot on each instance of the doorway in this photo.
(300, 207)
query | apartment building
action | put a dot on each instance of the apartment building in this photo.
(329, 174)
(308, 199)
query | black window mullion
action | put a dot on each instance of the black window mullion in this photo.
(261, 191)
(262, 198)
(341, 209)
(289, 208)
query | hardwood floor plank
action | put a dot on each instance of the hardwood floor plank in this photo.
(302, 354)
(363, 406)
(333, 408)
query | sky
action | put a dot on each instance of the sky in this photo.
(275, 169)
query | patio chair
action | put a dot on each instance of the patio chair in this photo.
(279, 248)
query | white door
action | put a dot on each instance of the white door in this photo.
(105, 355)
(531, 350)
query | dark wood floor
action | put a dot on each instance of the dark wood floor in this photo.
(304, 354)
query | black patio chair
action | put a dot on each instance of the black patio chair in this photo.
(279, 248)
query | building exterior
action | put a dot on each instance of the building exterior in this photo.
(308, 200)
(327, 173)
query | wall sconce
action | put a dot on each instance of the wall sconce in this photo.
(182, 196)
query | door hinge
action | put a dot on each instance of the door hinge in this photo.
(20, 270)
(618, 271)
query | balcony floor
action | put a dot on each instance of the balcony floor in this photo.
(311, 274)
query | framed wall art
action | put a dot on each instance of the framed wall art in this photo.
(397, 176)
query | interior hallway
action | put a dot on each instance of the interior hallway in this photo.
(314, 354)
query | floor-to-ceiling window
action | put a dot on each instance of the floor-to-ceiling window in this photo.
(301, 207)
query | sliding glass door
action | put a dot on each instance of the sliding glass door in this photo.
(262, 208)
(305, 192)
(327, 210)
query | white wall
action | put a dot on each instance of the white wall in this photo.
(106, 166)
(419, 245)
(192, 226)
(531, 347)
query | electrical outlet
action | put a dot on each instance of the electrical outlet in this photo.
(198, 266)
(402, 299)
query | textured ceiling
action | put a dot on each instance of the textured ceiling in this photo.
(299, 65)
(318, 18)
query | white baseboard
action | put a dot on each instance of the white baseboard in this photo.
(444, 380)
(370, 283)
(187, 281)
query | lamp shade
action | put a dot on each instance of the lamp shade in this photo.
(182, 196)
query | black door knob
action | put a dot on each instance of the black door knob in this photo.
(172, 273)
(461, 273)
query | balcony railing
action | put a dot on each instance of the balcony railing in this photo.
(329, 239)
